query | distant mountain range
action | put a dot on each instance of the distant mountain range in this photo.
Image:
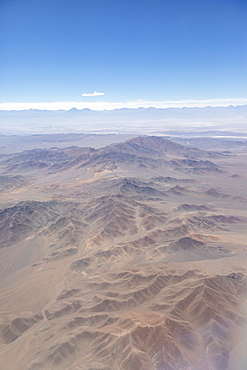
(140, 120)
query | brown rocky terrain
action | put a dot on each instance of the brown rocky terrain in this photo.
(130, 256)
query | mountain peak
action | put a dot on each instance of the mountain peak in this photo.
(157, 143)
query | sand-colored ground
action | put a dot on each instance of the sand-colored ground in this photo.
(131, 256)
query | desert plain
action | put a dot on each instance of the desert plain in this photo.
(126, 255)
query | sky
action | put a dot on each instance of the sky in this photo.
(105, 54)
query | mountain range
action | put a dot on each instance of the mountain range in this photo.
(125, 256)
(132, 121)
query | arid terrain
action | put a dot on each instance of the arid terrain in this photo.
(129, 256)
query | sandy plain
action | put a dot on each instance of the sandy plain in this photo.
(129, 256)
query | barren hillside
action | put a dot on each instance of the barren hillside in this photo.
(124, 257)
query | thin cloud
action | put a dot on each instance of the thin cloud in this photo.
(95, 93)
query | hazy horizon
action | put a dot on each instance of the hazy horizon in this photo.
(149, 121)
(135, 104)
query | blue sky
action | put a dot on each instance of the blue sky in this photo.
(141, 51)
